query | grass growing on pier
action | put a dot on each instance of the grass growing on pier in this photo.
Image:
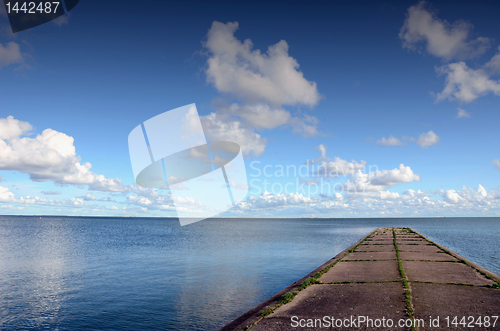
(409, 305)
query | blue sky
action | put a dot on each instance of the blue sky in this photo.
(399, 100)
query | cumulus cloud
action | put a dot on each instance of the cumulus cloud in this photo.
(261, 82)
(427, 139)
(451, 41)
(219, 126)
(466, 196)
(422, 27)
(337, 167)
(305, 126)
(493, 66)
(375, 203)
(379, 180)
(49, 156)
(496, 162)
(10, 54)
(326, 167)
(451, 196)
(466, 84)
(391, 141)
(235, 68)
(269, 200)
(51, 192)
(322, 149)
(462, 113)
(259, 116)
(62, 20)
(89, 197)
(6, 195)
(12, 128)
(309, 181)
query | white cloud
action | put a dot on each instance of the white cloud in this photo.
(496, 162)
(12, 128)
(309, 181)
(234, 68)
(427, 139)
(391, 141)
(379, 180)
(451, 196)
(305, 126)
(440, 38)
(262, 82)
(449, 41)
(375, 203)
(219, 126)
(467, 196)
(337, 167)
(269, 200)
(466, 84)
(494, 64)
(10, 54)
(62, 20)
(326, 167)
(141, 201)
(462, 113)
(89, 197)
(322, 149)
(50, 156)
(6, 195)
(259, 116)
(50, 192)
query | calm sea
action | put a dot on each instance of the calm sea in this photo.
(74, 273)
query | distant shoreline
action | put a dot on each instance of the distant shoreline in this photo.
(263, 218)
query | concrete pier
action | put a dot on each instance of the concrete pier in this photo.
(393, 279)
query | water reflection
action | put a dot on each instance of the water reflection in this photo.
(35, 266)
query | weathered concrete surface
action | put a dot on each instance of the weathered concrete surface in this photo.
(423, 256)
(340, 301)
(438, 300)
(444, 272)
(370, 256)
(375, 248)
(362, 271)
(365, 280)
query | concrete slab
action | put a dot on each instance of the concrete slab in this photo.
(439, 300)
(419, 248)
(375, 248)
(340, 301)
(411, 241)
(371, 256)
(422, 256)
(444, 272)
(379, 241)
(369, 271)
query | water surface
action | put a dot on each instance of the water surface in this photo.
(75, 273)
